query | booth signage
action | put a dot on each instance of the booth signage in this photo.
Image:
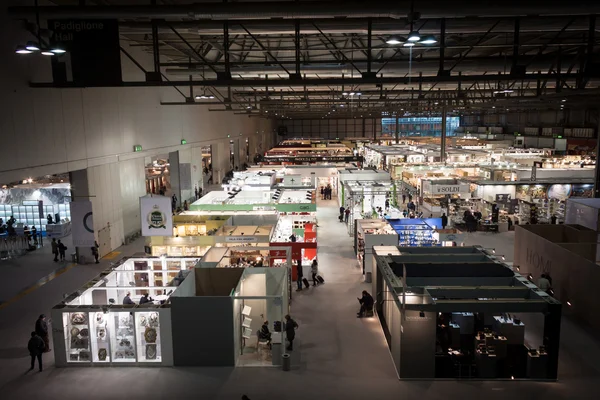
(316, 159)
(297, 207)
(156, 216)
(82, 219)
(449, 189)
(240, 239)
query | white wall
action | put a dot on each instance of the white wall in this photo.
(49, 131)
(133, 186)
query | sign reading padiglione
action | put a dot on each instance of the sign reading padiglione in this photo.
(156, 216)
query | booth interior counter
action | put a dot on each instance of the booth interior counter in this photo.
(460, 313)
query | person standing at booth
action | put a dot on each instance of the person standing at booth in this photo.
(290, 331)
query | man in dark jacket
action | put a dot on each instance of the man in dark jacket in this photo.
(127, 299)
(444, 221)
(144, 299)
(41, 329)
(36, 347)
(366, 303)
(299, 274)
(290, 331)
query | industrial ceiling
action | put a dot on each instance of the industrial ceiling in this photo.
(303, 59)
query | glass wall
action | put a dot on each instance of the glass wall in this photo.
(419, 126)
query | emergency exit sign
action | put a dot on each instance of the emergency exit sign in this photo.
(137, 147)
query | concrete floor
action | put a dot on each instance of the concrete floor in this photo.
(342, 357)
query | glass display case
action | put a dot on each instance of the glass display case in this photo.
(122, 343)
(77, 336)
(148, 339)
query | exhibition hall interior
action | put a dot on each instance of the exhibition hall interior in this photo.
(295, 199)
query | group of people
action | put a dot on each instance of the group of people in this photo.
(143, 300)
(314, 270)
(407, 194)
(39, 342)
(326, 192)
(471, 220)
(59, 250)
(344, 214)
(290, 326)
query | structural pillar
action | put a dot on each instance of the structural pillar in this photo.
(597, 168)
(397, 131)
(443, 141)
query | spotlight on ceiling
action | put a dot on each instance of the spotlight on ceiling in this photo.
(32, 46)
(414, 36)
(22, 50)
(47, 52)
(409, 44)
(58, 49)
(508, 91)
(428, 40)
(394, 39)
(345, 94)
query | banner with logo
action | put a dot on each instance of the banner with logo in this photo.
(82, 220)
(156, 216)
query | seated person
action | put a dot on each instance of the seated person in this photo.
(145, 299)
(264, 333)
(366, 304)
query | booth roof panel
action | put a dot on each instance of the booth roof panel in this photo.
(556, 181)
(449, 269)
(594, 203)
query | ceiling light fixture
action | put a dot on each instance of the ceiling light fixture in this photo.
(394, 39)
(22, 50)
(46, 52)
(428, 40)
(58, 49)
(32, 46)
(408, 44)
(414, 36)
(508, 91)
(345, 94)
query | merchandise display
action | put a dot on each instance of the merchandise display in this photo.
(416, 232)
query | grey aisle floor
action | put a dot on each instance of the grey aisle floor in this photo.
(342, 357)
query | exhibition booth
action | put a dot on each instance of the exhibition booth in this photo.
(437, 193)
(369, 233)
(569, 254)
(93, 327)
(238, 301)
(97, 329)
(359, 174)
(195, 238)
(459, 313)
(367, 199)
(416, 231)
(530, 202)
(31, 203)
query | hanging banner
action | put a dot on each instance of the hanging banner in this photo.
(82, 220)
(41, 209)
(156, 215)
(449, 189)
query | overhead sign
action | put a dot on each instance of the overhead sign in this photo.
(82, 220)
(315, 159)
(449, 189)
(93, 48)
(156, 215)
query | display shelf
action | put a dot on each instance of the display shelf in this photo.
(148, 337)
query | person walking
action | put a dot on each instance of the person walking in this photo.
(54, 249)
(299, 275)
(341, 217)
(36, 349)
(174, 202)
(95, 251)
(61, 250)
(290, 331)
(347, 214)
(41, 329)
(444, 221)
(196, 192)
(403, 198)
(322, 193)
(314, 270)
(186, 207)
